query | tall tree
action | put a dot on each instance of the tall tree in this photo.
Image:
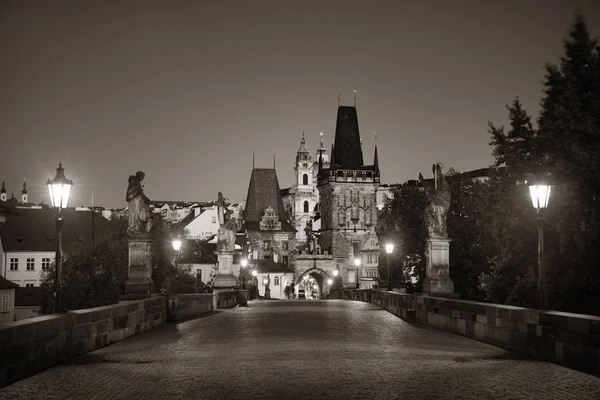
(516, 149)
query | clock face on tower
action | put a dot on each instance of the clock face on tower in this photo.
(304, 165)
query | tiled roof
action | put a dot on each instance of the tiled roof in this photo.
(35, 229)
(6, 284)
(200, 252)
(264, 192)
(7, 209)
(255, 226)
(347, 149)
(28, 296)
(270, 267)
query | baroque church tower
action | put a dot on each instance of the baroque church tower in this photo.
(347, 189)
(3, 192)
(304, 194)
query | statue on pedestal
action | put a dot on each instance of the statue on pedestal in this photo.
(138, 205)
(438, 195)
(227, 230)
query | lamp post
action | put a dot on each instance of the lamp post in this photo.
(540, 195)
(255, 280)
(389, 249)
(357, 265)
(244, 264)
(60, 189)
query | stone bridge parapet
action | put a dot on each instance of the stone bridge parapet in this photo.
(570, 340)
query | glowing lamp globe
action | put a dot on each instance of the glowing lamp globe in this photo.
(540, 195)
(336, 272)
(59, 188)
(329, 281)
(254, 272)
(389, 248)
(357, 262)
(244, 263)
(176, 244)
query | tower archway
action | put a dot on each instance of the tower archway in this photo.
(314, 283)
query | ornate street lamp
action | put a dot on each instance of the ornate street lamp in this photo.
(336, 271)
(389, 249)
(540, 195)
(244, 264)
(60, 189)
(176, 246)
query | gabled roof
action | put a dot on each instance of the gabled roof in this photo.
(264, 192)
(347, 150)
(270, 267)
(35, 229)
(6, 284)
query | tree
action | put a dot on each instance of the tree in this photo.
(403, 224)
(95, 274)
(518, 149)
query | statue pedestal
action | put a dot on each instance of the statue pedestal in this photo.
(224, 279)
(437, 255)
(139, 282)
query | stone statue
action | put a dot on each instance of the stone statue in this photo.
(227, 230)
(140, 217)
(438, 195)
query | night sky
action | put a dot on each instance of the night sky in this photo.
(187, 90)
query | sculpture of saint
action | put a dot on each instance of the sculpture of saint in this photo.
(227, 230)
(138, 205)
(438, 197)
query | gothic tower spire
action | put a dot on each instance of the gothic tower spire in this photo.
(24, 192)
(3, 192)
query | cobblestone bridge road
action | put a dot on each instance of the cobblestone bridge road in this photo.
(303, 350)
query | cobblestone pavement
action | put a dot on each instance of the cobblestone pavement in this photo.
(303, 349)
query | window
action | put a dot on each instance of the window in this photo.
(45, 264)
(267, 244)
(285, 260)
(199, 274)
(214, 220)
(276, 281)
(306, 206)
(29, 285)
(305, 179)
(285, 245)
(14, 264)
(30, 264)
(4, 304)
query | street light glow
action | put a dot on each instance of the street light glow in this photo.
(329, 281)
(357, 261)
(540, 195)
(389, 248)
(254, 272)
(176, 244)
(244, 263)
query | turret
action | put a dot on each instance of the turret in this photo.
(3, 192)
(24, 198)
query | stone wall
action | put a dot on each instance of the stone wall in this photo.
(571, 340)
(181, 306)
(32, 345)
(225, 298)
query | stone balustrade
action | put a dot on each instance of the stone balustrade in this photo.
(32, 345)
(571, 340)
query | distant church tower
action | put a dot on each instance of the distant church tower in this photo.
(3, 192)
(24, 198)
(304, 191)
(347, 189)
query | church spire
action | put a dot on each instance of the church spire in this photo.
(303, 148)
(24, 197)
(376, 161)
(24, 191)
(332, 162)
